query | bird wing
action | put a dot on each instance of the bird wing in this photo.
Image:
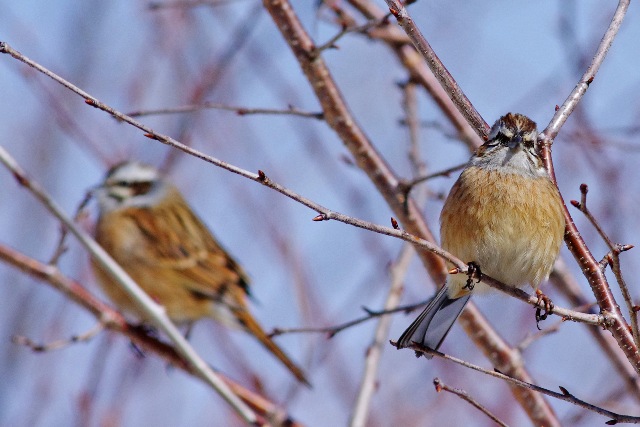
(176, 240)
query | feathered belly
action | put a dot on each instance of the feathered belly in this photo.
(510, 225)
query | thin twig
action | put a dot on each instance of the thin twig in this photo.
(360, 412)
(531, 338)
(332, 331)
(410, 107)
(564, 395)
(367, 385)
(440, 386)
(331, 43)
(148, 306)
(61, 248)
(612, 258)
(564, 111)
(449, 84)
(59, 344)
(241, 111)
(407, 186)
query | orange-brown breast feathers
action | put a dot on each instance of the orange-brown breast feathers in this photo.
(509, 224)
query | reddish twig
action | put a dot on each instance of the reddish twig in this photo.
(401, 46)
(449, 84)
(114, 321)
(612, 258)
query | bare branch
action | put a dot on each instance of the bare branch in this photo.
(447, 81)
(613, 258)
(148, 306)
(57, 345)
(564, 395)
(399, 269)
(241, 111)
(366, 389)
(332, 331)
(564, 111)
(440, 386)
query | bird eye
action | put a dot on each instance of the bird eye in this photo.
(140, 187)
(529, 140)
(137, 187)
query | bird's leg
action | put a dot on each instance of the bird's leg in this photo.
(544, 307)
(473, 272)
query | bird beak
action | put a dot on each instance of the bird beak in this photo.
(93, 190)
(515, 141)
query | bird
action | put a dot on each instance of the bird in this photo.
(503, 215)
(148, 227)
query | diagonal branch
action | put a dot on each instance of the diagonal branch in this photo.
(440, 386)
(401, 46)
(563, 395)
(149, 307)
(340, 119)
(450, 86)
(114, 321)
(617, 326)
(429, 248)
(563, 112)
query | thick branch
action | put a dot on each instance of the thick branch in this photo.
(340, 119)
(618, 326)
(441, 73)
(115, 322)
(148, 306)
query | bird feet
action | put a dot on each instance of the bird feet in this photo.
(473, 272)
(544, 307)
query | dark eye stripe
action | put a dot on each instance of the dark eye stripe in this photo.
(137, 187)
(140, 187)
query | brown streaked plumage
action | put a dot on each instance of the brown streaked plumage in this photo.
(504, 214)
(149, 229)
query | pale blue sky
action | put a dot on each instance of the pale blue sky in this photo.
(507, 56)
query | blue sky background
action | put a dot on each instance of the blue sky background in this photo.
(507, 56)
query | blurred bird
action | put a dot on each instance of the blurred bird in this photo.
(505, 215)
(149, 229)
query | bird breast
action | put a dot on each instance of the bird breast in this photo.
(509, 224)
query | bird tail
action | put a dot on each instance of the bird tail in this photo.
(250, 324)
(433, 324)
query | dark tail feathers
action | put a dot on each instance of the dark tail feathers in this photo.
(433, 324)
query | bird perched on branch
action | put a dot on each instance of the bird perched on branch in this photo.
(503, 215)
(149, 229)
